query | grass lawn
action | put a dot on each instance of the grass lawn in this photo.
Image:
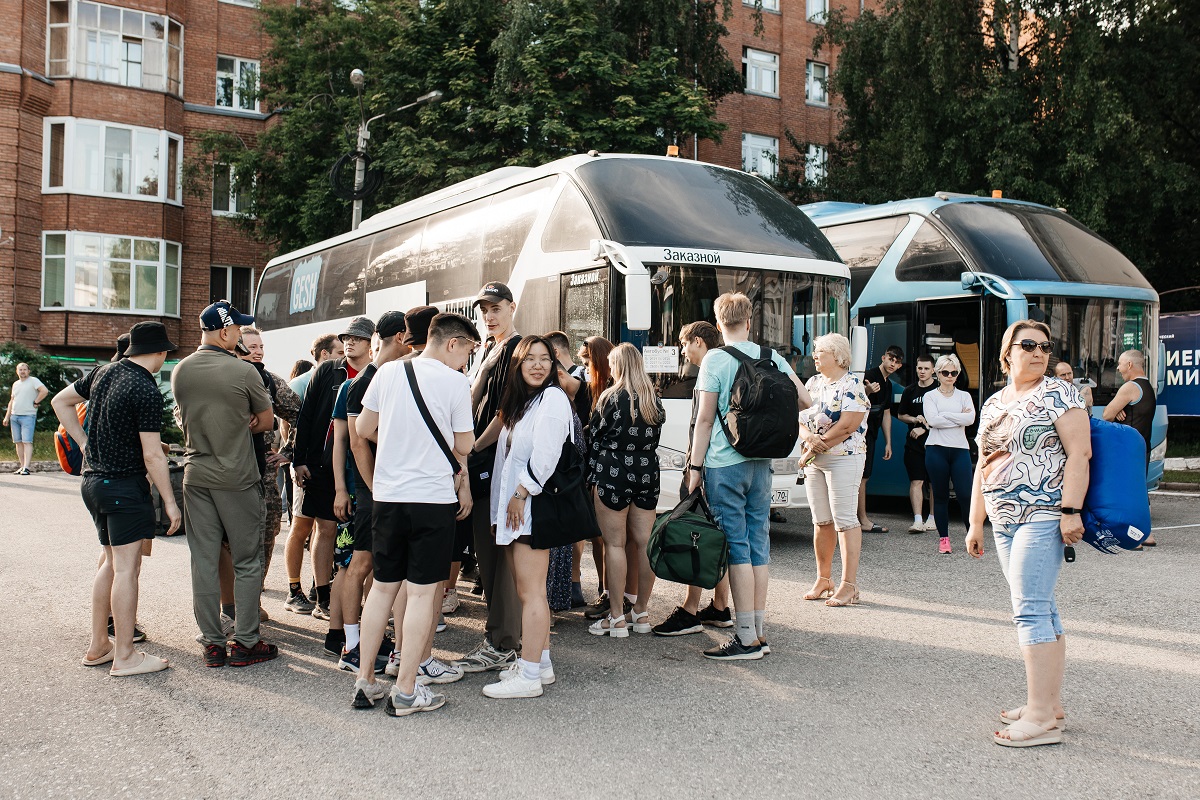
(1181, 476)
(43, 446)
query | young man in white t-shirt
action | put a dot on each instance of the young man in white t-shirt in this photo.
(418, 498)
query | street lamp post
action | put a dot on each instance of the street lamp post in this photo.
(358, 80)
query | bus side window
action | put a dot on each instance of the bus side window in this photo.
(930, 257)
(510, 217)
(571, 226)
(342, 290)
(862, 245)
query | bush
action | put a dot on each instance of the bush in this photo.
(45, 368)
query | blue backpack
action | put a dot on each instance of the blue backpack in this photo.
(1116, 511)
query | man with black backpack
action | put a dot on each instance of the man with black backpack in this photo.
(749, 405)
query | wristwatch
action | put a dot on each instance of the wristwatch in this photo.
(517, 495)
(1070, 510)
(694, 468)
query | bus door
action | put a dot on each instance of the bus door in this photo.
(887, 325)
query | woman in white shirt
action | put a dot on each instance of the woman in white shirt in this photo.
(535, 416)
(947, 412)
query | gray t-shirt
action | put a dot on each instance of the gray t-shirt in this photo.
(23, 394)
(217, 394)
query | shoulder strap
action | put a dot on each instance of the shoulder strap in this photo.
(425, 415)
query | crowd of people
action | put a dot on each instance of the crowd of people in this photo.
(417, 448)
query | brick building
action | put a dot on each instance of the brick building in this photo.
(100, 105)
(784, 90)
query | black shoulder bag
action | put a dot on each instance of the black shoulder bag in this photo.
(425, 415)
(561, 512)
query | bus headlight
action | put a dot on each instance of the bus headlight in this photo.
(670, 459)
(785, 466)
(1160, 452)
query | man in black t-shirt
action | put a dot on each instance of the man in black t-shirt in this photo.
(122, 445)
(911, 412)
(878, 384)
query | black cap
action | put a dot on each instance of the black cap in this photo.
(222, 314)
(391, 323)
(493, 292)
(149, 337)
(122, 346)
(418, 319)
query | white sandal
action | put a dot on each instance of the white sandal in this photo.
(598, 628)
(638, 627)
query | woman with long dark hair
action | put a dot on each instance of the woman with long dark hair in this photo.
(594, 354)
(535, 416)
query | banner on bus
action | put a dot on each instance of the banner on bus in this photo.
(1180, 335)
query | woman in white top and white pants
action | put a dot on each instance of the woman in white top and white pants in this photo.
(535, 415)
(946, 413)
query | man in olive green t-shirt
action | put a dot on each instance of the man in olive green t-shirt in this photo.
(222, 401)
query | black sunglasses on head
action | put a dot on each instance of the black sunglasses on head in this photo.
(1028, 345)
(947, 373)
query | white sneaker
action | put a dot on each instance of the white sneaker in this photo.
(450, 601)
(393, 665)
(423, 700)
(930, 524)
(367, 692)
(437, 671)
(545, 673)
(514, 686)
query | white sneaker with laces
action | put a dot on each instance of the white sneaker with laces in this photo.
(450, 601)
(367, 692)
(513, 684)
(437, 671)
(423, 700)
(393, 666)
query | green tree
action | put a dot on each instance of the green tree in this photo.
(45, 368)
(524, 83)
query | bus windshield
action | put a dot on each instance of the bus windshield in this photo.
(1028, 243)
(697, 206)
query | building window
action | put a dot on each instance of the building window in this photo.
(237, 83)
(817, 11)
(110, 160)
(115, 45)
(224, 195)
(111, 274)
(760, 154)
(816, 163)
(235, 284)
(767, 5)
(815, 87)
(761, 70)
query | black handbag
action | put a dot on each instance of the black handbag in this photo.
(561, 512)
(480, 464)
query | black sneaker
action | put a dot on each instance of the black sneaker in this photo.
(312, 594)
(214, 655)
(139, 635)
(717, 617)
(734, 650)
(766, 648)
(680, 623)
(334, 641)
(477, 589)
(245, 656)
(297, 603)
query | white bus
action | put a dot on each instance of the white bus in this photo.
(627, 247)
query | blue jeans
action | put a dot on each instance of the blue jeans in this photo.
(740, 498)
(1031, 554)
(943, 464)
(22, 427)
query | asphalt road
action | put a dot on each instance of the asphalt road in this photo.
(895, 698)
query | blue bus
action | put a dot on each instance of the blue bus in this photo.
(948, 273)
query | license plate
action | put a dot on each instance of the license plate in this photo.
(781, 497)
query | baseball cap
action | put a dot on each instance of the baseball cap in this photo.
(222, 314)
(390, 323)
(149, 337)
(418, 319)
(360, 327)
(493, 292)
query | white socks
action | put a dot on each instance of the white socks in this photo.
(632, 598)
(917, 520)
(530, 670)
(351, 637)
(545, 659)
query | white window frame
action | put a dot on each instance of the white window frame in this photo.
(75, 183)
(229, 268)
(236, 95)
(245, 3)
(816, 163)
(816, 86)
(115, 68)
(755, 148)
(816, 11)
(767, 5)
(758, 64)
(235, 200)
(166, 273)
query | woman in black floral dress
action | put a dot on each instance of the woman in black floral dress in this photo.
(625, 429)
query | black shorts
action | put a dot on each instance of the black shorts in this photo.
(464, 538)
(914, 464)
(319, 493)
(121, 508)
(413, 542)
(363, 517)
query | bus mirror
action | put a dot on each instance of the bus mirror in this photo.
(637, 301)
(858, 349)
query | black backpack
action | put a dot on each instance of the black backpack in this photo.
(764, 408)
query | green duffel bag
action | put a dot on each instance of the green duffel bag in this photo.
(687, 546)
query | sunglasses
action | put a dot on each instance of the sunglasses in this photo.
(949, 373)
(1029, 345)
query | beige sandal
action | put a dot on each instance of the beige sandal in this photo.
(1014, 714)
(147, 665)
(833, 602)
(104, 659)
(814, 594)
(1026, 734)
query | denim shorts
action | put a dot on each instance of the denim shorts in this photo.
(22, 427)
(831, 483)
(740, 498)
(1031, 554)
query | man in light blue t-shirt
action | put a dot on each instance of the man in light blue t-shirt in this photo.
(738, 488)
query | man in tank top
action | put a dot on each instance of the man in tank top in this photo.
(1134, 402)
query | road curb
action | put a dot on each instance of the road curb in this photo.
(34, 466)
